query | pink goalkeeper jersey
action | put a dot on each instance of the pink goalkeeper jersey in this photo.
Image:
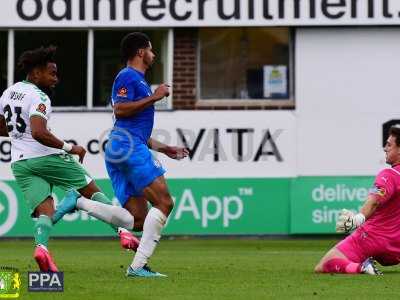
(384, 224)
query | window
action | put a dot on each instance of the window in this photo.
(107, 61)
(71, 62)
(3, 61)
(244, 64)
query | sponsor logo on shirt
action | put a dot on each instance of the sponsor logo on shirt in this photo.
(41, 108)
(122, 92)
(16, 96)
(379, 191)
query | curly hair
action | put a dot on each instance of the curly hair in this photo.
(36, 58)
(131, 44)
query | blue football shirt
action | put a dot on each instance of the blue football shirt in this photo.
(130, 85)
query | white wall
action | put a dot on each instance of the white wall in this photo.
(347, 85)
(88, 129)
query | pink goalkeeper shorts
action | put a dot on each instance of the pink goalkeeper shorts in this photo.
(360, 245)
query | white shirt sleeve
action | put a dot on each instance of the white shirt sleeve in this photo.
(40, 106)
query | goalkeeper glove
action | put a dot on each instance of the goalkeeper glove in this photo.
(348, 221)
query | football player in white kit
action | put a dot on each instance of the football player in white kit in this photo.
(40, 160)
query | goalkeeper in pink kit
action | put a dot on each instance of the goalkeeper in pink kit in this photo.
(377, 225)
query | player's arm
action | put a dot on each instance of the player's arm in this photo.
(382, 192)
(369, 207)
(3, 123)
(41, 134)
(348, 221)
(170, 151)
(3, 126)
(131, 108)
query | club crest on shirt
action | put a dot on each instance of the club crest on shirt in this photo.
(122, 92)
(379, 191)
(41, 108)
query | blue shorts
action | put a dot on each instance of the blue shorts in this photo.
(131, 169)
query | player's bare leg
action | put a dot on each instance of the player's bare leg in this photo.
(43, 225)
(334, 261)
(158, 195)
(138, 208)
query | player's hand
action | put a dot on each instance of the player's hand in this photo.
(176, 152)
(78, 150)
(345, 221)
(161, 92)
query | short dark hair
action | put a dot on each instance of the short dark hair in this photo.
(395, 131)
(131, 44)
(36, 58)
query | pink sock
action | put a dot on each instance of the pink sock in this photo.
(341, 265)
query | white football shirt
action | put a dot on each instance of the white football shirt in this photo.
(17, 104)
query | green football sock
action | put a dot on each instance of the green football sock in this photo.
(100, 197)
(42, 228)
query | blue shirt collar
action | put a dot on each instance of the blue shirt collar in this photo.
(137, 71)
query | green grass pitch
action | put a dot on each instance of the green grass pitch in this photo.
(200, 269)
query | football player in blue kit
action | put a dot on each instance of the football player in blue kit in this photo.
(135, 175)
